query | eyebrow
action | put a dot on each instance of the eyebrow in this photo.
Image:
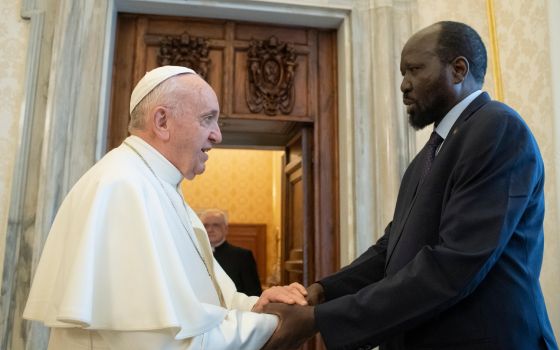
(212, 112)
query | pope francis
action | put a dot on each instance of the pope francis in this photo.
(127, 263)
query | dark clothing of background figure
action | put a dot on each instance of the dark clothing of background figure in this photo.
(240, 266)
(458, 266)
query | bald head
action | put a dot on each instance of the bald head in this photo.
(455, 39)
(216, 224)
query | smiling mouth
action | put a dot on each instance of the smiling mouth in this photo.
(205, 150)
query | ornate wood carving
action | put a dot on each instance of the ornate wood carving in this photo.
(185, 50)
(271, 66)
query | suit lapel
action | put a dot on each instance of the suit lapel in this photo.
(409, 199)
(412, 189)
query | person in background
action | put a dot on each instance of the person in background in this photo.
(127, 263)
(237, 262)
(458, 267)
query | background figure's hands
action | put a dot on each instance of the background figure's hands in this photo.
(295, 293)
(315, 294)
(296, 325)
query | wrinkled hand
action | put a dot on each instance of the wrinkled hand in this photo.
(315, 294)
(296, 325)
(295, 293)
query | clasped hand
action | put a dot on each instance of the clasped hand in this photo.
(292, 305)
(294, 293)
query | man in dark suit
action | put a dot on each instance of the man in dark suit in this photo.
(458, 267)
(237, 262)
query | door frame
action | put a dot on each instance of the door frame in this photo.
(318, 16)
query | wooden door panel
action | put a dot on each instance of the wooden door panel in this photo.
(303, 109)
(152, 30)
(248, 31)
(252, 237)
(298, 250)
(294, 262)
(304, 44)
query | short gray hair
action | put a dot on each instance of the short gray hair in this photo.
(220, 212)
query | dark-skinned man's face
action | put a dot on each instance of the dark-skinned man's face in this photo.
(427, 84)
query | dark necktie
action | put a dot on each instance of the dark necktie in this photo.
(430, 153)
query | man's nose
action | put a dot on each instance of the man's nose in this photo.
(215, 134)
(405, 85)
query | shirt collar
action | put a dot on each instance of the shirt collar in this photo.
(451, 117)
(161, 166)
(219, 244)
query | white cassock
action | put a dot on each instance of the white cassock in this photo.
(121, 267)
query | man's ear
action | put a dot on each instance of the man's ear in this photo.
(460, 66)
(160, 122)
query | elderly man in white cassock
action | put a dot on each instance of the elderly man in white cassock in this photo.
(127, 263)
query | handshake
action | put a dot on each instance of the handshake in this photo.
(294, 305)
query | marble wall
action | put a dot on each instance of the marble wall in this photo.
(14, 34)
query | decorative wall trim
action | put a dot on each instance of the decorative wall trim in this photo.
(27, 8)
(271, 68)
(553, 304)
(17, 218)
(106, 80)
(185, 50)
(495, 52)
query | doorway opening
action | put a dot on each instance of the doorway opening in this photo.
(247, 185)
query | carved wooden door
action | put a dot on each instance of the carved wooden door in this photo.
(297, 252)
(297, 200)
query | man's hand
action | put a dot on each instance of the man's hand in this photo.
(295, 293)
(296, 325)
(315, 294)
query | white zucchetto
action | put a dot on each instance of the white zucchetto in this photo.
(152, 79)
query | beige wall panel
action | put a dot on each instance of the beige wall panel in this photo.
(522, 28)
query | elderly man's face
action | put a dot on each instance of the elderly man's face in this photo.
(215, 227)
(194, 126)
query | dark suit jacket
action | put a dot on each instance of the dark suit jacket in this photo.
(240, 266)
(458, 267)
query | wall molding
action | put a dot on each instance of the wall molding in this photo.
(18, 219)
(495, 51)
